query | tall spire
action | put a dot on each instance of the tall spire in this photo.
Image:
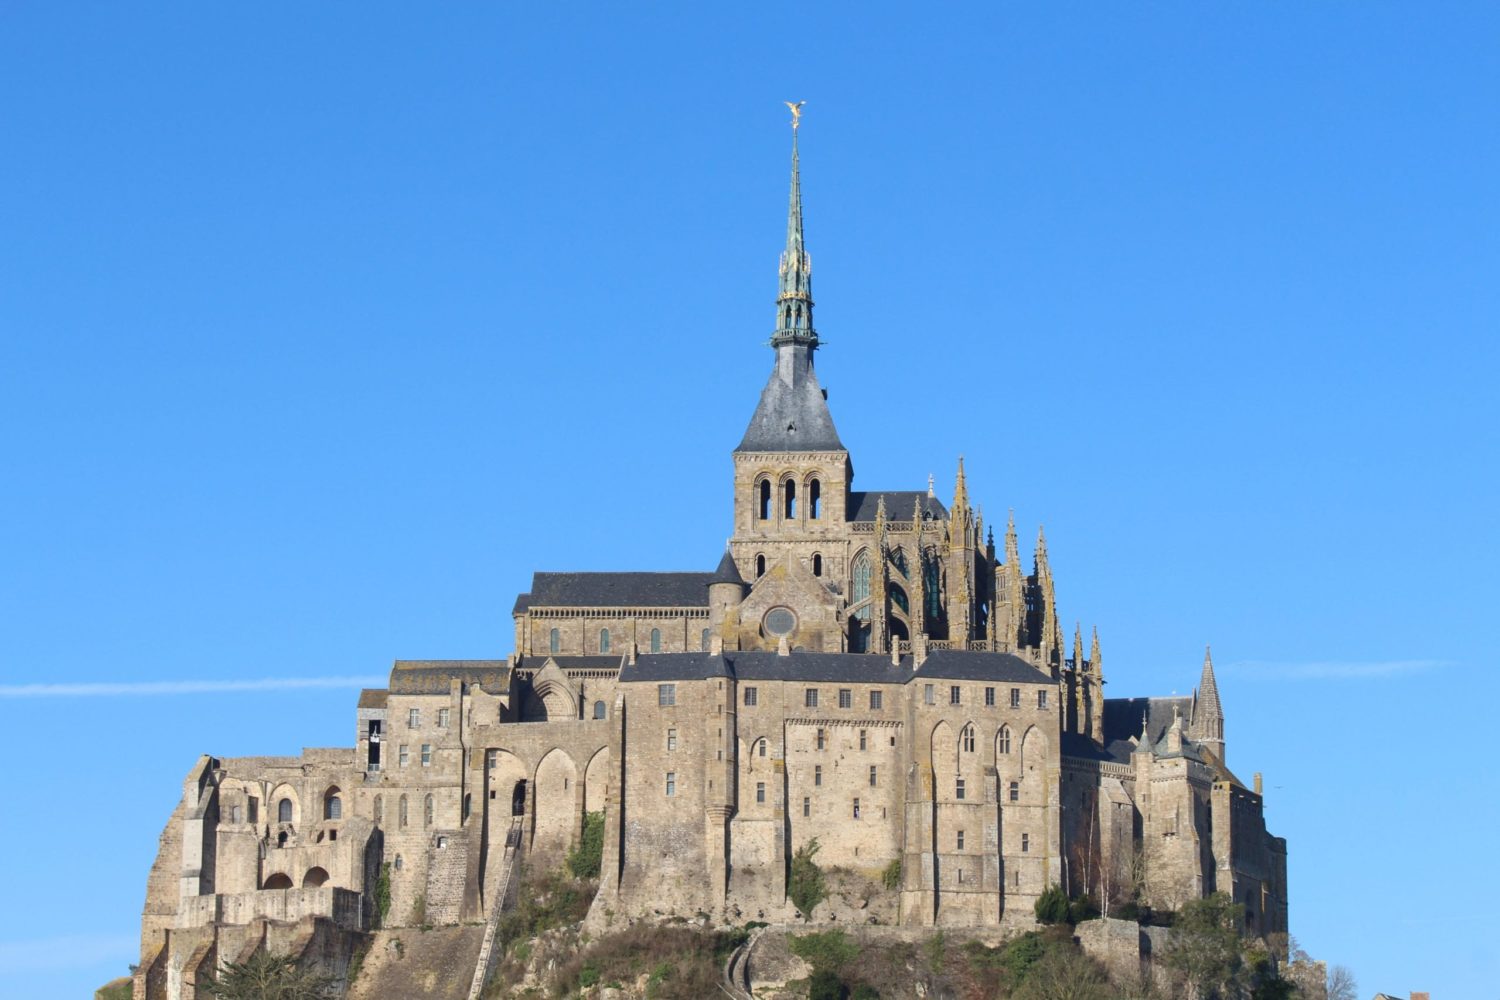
(793, 411)
(794, 302)
(1208, 713)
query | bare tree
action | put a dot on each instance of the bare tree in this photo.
(1341, 984)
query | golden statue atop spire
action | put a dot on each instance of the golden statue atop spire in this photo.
(796, 109)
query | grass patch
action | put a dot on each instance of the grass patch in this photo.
(679, 963)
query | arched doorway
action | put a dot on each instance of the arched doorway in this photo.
(278, 881)
(314, 878)
(518, 799)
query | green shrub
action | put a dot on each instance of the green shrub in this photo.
(1021, 953)
(1128, 911)
(588, 975)
(1052, 906)
(891, 876)
(806, 888)
(827, 950)
(864, 991)
(585, 860)
(825, 985)
(383, 895)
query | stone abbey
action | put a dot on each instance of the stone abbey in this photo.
(864, 668)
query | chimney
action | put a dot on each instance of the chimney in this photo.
(918, 650)
(782, 648)
(1258, 791)
(716, 645)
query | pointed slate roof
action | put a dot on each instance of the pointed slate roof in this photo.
(727, 571)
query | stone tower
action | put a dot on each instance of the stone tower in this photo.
(791, 471)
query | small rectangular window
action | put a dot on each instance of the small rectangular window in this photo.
(928, 695)
(989, 697)
(750, 697)
(822, 740)
(671, 783)
(666, 694)
(818, 774)
(960, 840)
(1015, 791)
(862, 739)
(671, 739)
(402, 755)
(958, 791)
(960, 876)
(874, 775)
(1025, 842)
(955, 695)
(760, 791)
(856, 808)
(442, 718)
(806, 806)
(810, 698)
(1015, 697)
(875, 701)
(1041, 698)
(252, 810)
(413, 718)
(426, 754)
(846, 698)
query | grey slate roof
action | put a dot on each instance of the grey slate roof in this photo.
(523, 601)
(1122, 716)
(433, 676)
(613, 590)
(792, 414)
(727, 571)
(864, 668)
(898, 505)
(373, 697)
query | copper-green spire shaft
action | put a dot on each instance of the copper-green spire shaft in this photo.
(794, 302)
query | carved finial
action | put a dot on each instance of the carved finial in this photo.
(796, 108)
(930, 482)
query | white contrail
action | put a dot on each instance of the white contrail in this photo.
(114, 689)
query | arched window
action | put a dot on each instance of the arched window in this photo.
(284, 811)
(333, 807)
(401, 813)
(704, 640)
(815, 499)
(817, 563)
(861, 591)
(604, 640)
(762, 748)
(427, 811)
(789, 507)
(315, 877)
(278, 881)
(968, 739)
(1003, 743)
(379, 810)
(656, 640)
(598, 709)
(554, 641)
(760, 567)
(931, 588)
(765, 499)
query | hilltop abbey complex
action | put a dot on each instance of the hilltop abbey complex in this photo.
(864, 667)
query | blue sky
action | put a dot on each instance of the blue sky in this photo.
(322, 327)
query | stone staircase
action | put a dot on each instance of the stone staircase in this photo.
(497, 887)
